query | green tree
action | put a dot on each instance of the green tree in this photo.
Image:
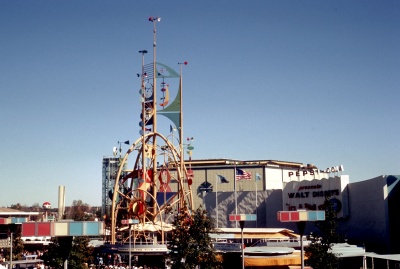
(190, 243)
(58, 251)
(75, 249)
(18, 245)
(17, 206)
(35, 207)
(81, 252)
(319, 251)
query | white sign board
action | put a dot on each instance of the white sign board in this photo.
(310, 195)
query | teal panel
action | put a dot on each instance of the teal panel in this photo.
(321, 215)
(18, 220)
(76, 229)
(91, 228)
(312, 215)
(252, 217)
(173, 116)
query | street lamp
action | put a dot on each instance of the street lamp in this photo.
(301, 217)
(242, 218)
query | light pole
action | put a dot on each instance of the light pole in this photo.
(216, 197)
(301, 218)
(11, 250)
(242, 218)
(241, 223)
(301, 225)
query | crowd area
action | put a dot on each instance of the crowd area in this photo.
(122, 266)
(36, 254)
(116, 261)
(101, 261)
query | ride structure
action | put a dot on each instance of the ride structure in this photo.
(159, 184)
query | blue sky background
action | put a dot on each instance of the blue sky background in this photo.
(302, 81)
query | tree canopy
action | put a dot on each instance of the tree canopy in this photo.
(75, 249)
(58, 251)
(318, 252)
(79, 211)
(190, 243)
(17, 244)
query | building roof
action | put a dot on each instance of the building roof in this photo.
(255, 230)
(391, 257)
(10, 212)
(203, 162)
(265, 233)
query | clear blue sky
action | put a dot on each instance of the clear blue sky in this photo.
(303, 81)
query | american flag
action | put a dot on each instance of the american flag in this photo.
(241, 174)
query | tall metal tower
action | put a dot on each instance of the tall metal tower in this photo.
(109, 174)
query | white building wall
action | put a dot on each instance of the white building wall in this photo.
(273, 178)
(277, 177)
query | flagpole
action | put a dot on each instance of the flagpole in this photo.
(216, 196)
(256, 199)
(234, 178)
(182, 164)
